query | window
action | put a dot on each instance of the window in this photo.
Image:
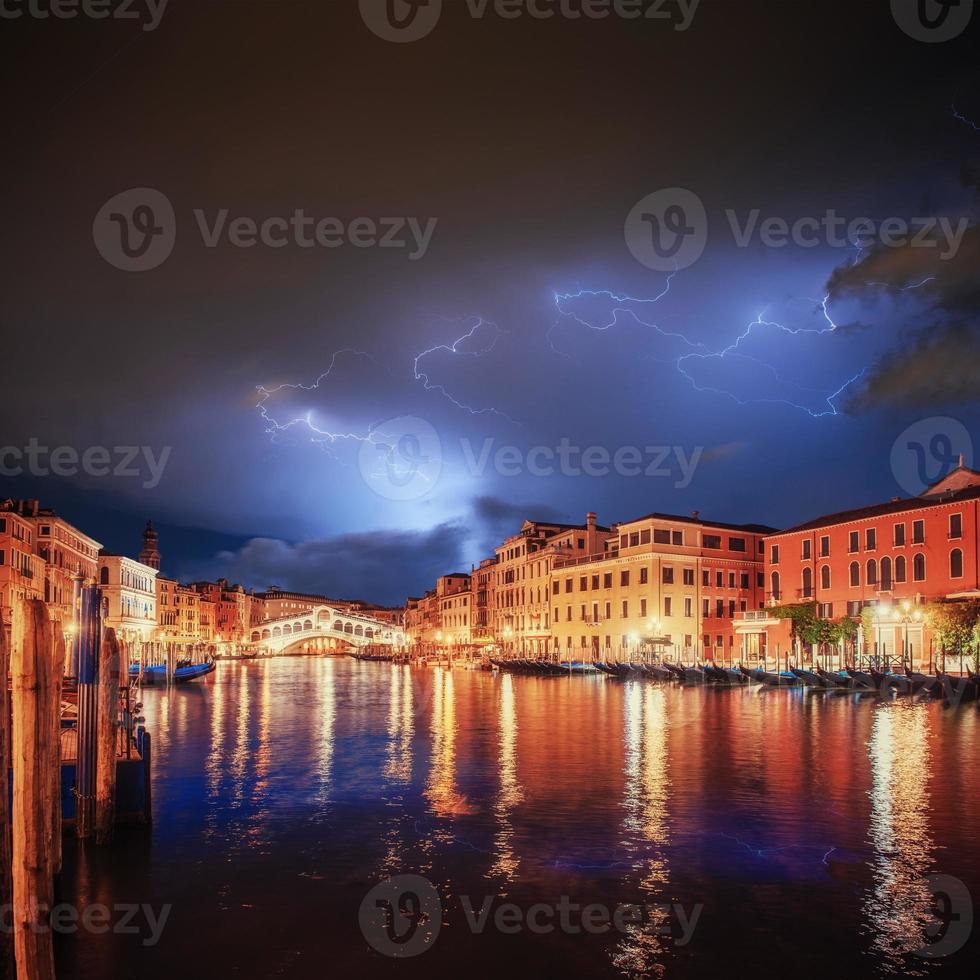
(745, 580)
(870, 539)
(806, 549)
(956, 563)
(919, 532)
(720, 608)
(854, 608)
(736, 544)
(731, 608)
(607, 580)
(643, 609)
(760, 580)
(956, 526)
(104, 576)
(855, 574)
(854, 542)
(720, 579)
(645, 536)
(900, 569)
(825, 610)
(689, 576)
(706, 578)
(626, 609)
(825, 577)
(661, 537)
(635, 539)
(624, 578)
(807, 583)
(712, 541)
(731, 580)
(623, 539)
(886, 574)
(568, 585)
(919, 568)
(677, 539)
(688, 607)
(608, 610)
(644, 575)
(668, 606)
(706, 608)
(583, 583)
(595, 581)
(899, 535)
(774, 554)
(825, 546)
(775, 585)
(668, 576)
(872, 573)
(555, 587)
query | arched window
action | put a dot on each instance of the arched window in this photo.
(872, 575)
(919, 567)
(855, 574)
(807, 583)
(886, 573)
(901, 569)
(956, 563)
(825, 577)
(775, 585)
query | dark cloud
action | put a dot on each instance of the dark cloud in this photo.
(498, 518)
(942, 367)
(376, 566)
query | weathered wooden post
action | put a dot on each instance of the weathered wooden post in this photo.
(34, 755)
(89, 641)
(6, 883)
(171, 662)
(108, 738)
(58, 681)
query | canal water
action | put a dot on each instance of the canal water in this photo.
(326, 817)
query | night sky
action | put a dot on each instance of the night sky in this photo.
(787, 375)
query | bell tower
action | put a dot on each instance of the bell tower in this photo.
(150, 555)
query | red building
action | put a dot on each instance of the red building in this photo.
(893, 558)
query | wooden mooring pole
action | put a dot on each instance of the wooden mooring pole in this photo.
(36, 720)
(58, 683)
(6, 882)
(107, 738)
(89, 642)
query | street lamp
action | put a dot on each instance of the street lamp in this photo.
(908, 615)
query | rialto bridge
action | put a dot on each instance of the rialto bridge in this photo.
(323, 629)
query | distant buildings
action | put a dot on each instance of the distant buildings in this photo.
(697, 589)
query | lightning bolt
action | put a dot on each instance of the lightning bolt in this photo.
(963, 119)
(479, 323)
(624, 305)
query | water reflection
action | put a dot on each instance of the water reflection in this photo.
(645, 830)
(511, 795)
(900, 904)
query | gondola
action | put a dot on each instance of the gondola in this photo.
(188, 672)
(811, 679)
(956, 690)
(836, 679)
(899, 683)
(861, 679)
(783, 679)
(658, 672)
(927, 683)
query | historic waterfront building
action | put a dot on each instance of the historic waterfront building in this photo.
(129, 592)
(663, 583)
(520, 615)
(892, 558)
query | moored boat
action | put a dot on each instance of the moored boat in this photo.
(188, 672)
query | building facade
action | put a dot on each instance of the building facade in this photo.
(894, 559)
(130, 598)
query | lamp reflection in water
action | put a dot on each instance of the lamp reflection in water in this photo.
(325, 735)
(511, 793)
(899, 905)
(441, 792)
(401, 728)
(645, 829)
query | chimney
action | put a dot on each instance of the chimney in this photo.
(962, 461)
(590, 520)
(696, 515)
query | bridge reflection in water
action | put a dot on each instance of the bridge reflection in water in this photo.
(285, 789)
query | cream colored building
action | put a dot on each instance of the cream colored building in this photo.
(130, 596)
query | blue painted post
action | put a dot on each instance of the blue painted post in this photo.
(76, 603)
(89, 644)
